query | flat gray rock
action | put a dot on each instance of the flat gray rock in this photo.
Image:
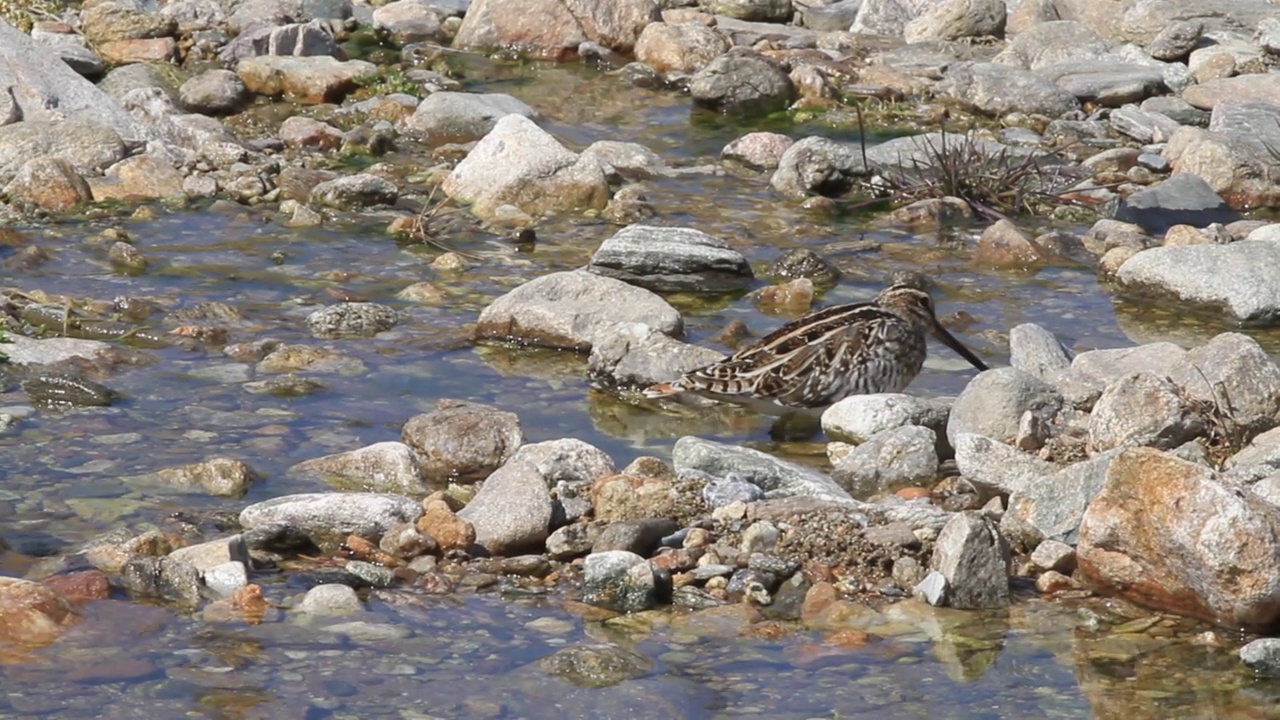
(333, 516)
(42, 83)
(997, 468)
(1051, 507)
(1241, 279)
(668, 259)
(1108, 365)
(573, 310)
(636, 355)
(445, 117)
(1106, 82)
(996, 89)
(1183, 199)
(778, 478)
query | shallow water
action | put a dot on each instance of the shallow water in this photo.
(68, 477)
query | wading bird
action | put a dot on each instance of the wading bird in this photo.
(828, 355)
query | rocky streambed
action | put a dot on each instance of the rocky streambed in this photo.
(324, 323)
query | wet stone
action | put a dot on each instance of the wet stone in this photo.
(975, 561)
(165, 578)
(353, 192)
(407, 541)
(381, 467)
(804, 263)
(757, 151)
(353, 319)
(464, 441)
(721, 491)
(619, 580)
(1262, 656)
(742, 81)
(223, 477)
(330, 599)
(636, 536)
(330, 517)
(667, 259)
(225, 579)
(596, 666)
(30, 613)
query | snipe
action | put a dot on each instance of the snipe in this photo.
(828, 355)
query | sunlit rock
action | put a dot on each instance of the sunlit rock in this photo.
(1169, 534)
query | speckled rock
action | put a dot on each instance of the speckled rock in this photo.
(742, 81)
(512, 510)
(1211, 554)
(214, 92)
(573, 310)
(900, 457)
(520, 164)
(331, 517)
(380, 467)
(636, 355)
(1233, 373)
(975, 560)
(858, 417)
(993, 403)
(666, 259)
(1050, 507)
(681, 47)
(817, 166)
(1143, 409)
(619, 580)
(995, 467)
(351, 192)
(307, 80)
(223, 477)
(330, 599)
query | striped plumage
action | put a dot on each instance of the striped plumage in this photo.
(826, 356)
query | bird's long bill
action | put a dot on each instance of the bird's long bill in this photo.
(951, 342)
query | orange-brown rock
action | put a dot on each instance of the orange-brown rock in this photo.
(450, 531)
(31, 614)
(1168, 534)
